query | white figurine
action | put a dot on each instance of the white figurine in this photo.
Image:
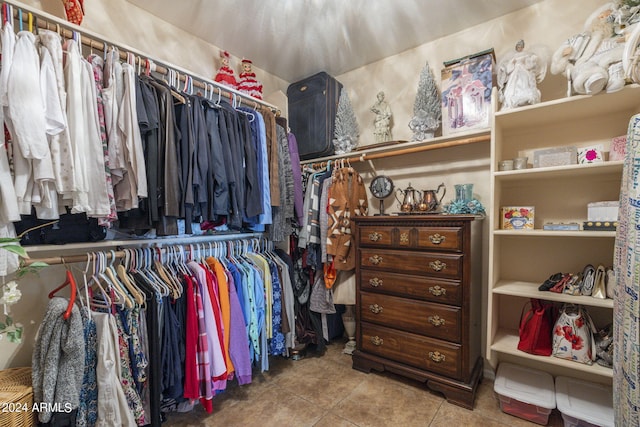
(382, 122)
(518, 76)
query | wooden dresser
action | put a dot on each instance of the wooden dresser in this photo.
(418, 301)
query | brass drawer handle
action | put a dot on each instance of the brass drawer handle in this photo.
(436, 320)
(437, 265)
(375, 308)
(436, 239)
(375, 260)
(375, 236)
(375, 282)
(436, 356)
(377, 340)
(437, 291)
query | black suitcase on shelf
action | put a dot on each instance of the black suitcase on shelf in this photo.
(313, 103)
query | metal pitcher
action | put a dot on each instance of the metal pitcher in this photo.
(410, 200)
(429, 201)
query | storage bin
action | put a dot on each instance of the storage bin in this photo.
(16, 396)
(525, 393)
(583, 403)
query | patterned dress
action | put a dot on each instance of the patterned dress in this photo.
(626, 307)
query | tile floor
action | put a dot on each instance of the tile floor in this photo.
(324, 391)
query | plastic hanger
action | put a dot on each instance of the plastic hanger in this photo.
(69, 281)
(107, 303)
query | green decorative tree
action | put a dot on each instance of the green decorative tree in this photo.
(427, 108)
(346, 131)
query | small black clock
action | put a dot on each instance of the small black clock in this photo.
(381, 187)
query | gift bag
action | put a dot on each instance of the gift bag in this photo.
(573, 335)
(536, 326)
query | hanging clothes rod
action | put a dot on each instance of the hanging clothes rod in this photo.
(121, 253)
(95, 41)
(398, 151)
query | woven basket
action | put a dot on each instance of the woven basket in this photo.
(16, 398)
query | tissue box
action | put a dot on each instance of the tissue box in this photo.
(603, 211)
(517, 217)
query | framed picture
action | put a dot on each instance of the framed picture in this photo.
(559, 156)
(466, 92)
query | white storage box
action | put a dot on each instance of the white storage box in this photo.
(584, 404)
(524, 392)
(603, 211)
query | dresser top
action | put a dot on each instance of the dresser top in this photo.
(382, 219)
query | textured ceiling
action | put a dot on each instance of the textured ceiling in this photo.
(293, 39)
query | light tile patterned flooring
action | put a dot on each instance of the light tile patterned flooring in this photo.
(324, 391)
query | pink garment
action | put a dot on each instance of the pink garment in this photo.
(216, 356)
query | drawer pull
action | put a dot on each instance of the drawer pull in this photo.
(437, 265)
(436, 320)
(437, 291)
(436, 356)
(375, 282)
(376, 340)
(375, 308)
(436, 239)
(375, 236)
(375, 260)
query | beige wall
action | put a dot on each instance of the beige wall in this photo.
(547, 23)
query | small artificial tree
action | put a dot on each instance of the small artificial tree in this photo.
(346, 126)
(427, 108)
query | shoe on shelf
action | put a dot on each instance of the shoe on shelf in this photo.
(610, 281)
(599, 287)
(573, 285)
(562, 283)
(588, 276)
(550, 282)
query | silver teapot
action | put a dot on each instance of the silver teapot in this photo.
(410, 200)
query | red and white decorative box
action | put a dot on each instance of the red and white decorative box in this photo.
(517, 217)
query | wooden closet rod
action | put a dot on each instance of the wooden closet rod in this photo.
(93, 41)
(401, 151)
(71, 259)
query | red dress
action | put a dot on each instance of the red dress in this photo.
(227, 77)
(250, 85)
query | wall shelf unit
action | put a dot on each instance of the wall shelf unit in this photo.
(520, 260)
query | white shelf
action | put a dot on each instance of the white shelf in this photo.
(573, 171)
(553, 233)
(389, 149)
(506, 341)
(530, 290)
(579, 107)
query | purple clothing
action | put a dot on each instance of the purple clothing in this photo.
(297, 178)
(238, 339)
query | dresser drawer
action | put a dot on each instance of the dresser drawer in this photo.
(430, 263)
(432, 238)
(419, 351)
(420, 317)
(432, 289)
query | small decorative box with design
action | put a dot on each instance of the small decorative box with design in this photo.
(517, 217)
